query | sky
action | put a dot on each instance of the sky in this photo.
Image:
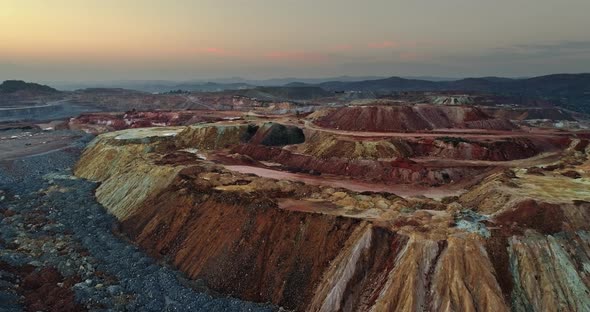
(99, 40)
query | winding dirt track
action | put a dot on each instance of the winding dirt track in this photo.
(463, 133)
(403, 190)
(540, 159)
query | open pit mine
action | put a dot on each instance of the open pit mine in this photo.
(356, 208)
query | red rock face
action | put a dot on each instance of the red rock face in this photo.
(370, 275)
(405, 118)
(240, 245)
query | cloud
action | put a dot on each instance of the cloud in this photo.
(568, 45)
(546, 50)
(529, 59)
(382, 45)
(296, 56)
(342, 47)
(215, 51)
(531, 55)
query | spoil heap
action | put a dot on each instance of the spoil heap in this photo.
(409, 118)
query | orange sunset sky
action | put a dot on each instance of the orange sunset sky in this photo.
(149, 39)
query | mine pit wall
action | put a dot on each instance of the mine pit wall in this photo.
(241, 245)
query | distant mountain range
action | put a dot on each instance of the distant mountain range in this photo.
(212, 85)
(540, 84)
(345, 83)
(152, 86)
(571, 91)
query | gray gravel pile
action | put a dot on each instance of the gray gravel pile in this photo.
(54, 220)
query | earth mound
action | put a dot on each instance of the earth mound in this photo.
(406, 118)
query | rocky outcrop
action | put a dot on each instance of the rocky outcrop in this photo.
(240, 244)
